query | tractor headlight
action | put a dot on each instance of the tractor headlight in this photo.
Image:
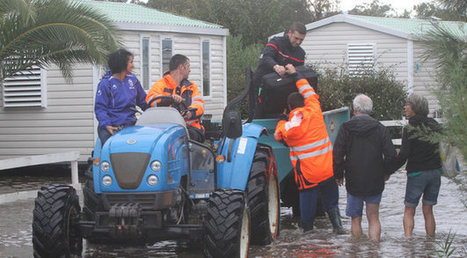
(105, 166)
(153, 180)
(156, 165)
(107, 180)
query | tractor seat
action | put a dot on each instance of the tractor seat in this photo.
(161, 115)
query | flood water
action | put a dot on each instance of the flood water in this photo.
(450, 214)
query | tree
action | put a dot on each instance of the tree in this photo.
(256, 20)
(448, 50)
(374, 8)
(44, 32)
(450, 10)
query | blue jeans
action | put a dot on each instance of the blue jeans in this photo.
(355, 204)
(427, 183)
(328, 193)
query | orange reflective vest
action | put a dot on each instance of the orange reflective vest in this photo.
(187, 90)
(305, 134)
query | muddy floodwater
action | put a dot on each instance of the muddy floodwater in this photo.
(450, 214)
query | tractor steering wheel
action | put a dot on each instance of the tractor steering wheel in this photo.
(181, 107)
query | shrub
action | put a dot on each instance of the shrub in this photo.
(338, 89)
(238, 58)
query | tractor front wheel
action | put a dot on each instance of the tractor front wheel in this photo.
(227, 225)
(55, 229)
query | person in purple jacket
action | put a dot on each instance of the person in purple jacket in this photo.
(118, 92)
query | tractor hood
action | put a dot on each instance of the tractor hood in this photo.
(141, 139)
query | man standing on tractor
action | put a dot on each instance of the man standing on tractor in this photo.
(304, 131)
(175, 83)
(279, 52)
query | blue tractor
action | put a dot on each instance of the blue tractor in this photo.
(151, 182)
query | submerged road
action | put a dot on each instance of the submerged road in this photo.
(450, 214)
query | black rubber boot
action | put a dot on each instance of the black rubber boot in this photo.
(307, 226)
(335, 218)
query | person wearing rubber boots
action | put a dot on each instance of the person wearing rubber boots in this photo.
(304, 131)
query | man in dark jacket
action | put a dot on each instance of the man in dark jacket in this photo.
(279, 52)
(362, 153)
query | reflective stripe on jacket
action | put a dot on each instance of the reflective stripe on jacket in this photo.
(187, 90)
(305, 134)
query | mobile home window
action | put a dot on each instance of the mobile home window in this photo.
(206, 68)
(145, 74)
(25, 89)
(360, 57)
(166, 53)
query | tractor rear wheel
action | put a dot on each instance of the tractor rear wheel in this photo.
(55, 229)
(227, 225)
(263, 200)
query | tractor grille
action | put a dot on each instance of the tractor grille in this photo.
(129, 168)
(153, 201)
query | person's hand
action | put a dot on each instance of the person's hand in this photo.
(279, 69)
(111, 129)
(290, 69)
(177, 99)
(340, 182)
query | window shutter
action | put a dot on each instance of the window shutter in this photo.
(24, 89)
(360, 57)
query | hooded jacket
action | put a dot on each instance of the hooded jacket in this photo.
(116, 99)
(420, 153)
(363, 153)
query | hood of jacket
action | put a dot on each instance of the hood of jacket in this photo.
(361, 125)
(429, 122)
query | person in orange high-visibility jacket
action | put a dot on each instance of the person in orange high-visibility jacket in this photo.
(175, 83)
(304, 131)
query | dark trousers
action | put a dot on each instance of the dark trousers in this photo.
(326, 191)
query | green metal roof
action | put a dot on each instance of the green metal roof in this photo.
(416, 27)
(133, 13)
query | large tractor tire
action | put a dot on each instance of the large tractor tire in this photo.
(227, 225)
(92, 201)
(55, 229)
(263, 200)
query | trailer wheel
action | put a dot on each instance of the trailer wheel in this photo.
(227, 225)
(54, 229)
(263, 200)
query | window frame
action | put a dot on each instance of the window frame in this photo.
(143, 75)
(203, 40)
(162, 38)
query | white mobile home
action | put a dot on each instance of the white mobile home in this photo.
(44, 114)
(351, 40)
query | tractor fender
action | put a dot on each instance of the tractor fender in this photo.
(234, 173)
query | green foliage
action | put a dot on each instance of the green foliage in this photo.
(448, 51)
(44, 32)
(374, 8)
(238, 59)
(444, 247)
(255, 20)
(449, 10)
(337, 89)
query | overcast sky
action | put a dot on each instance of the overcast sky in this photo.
(398, 5)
